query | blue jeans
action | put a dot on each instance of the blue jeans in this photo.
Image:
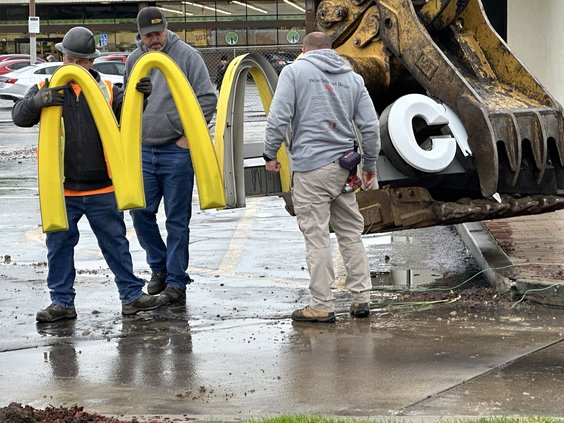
(109, 228)
(168, 175)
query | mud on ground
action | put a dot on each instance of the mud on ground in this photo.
(16, 413)
(471, 298)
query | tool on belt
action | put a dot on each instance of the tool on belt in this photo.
(350, 161)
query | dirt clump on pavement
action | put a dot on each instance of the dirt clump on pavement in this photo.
(16, 413)
(472, 297)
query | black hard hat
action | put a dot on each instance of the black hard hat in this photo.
(79, 42)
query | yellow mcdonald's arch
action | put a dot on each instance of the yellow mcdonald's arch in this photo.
(228, 140)
(122, 144)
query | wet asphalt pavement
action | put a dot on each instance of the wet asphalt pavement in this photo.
(233, 353)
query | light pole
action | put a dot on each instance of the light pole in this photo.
(32, 44)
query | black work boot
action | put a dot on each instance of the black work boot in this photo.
(143, 303)
(55, 312)
(157, 283)
(360, 310)
(172, 295)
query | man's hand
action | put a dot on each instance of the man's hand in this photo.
(368, 178)
(273, 166)
(46, 96)
(182, 142)
(145, 86)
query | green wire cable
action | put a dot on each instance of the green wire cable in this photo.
(485, 270)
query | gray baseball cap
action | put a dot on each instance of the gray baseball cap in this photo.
(150, 19)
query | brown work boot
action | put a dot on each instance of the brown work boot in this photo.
(143, 303)
(157, 283)
(172, 295)
(308, 314)
(360, 310)
(55, 312)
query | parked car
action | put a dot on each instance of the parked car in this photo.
(279, 60)
(11, 56)
(110, 67)
(115, 79)
(114, 57)
(12, 65)
(14, 85)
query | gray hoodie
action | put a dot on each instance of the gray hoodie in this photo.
(319, 95)
(161, 121)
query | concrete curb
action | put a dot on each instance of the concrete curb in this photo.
(487, 253)
(501, 273)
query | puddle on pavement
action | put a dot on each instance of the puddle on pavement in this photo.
(419, 259)
(406, 279)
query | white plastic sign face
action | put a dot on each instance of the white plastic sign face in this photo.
(33, 25)
(443, 147)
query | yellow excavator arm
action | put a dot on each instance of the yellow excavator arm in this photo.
(448, 51)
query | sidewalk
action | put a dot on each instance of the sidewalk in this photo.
(527, 254)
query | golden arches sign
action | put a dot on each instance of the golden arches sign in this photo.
(230, 118)
(122, 143)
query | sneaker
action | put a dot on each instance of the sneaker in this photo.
(157, 283)
(308, 314)
(360, 310)
(172, 295)
(143, 303)
(55, 312)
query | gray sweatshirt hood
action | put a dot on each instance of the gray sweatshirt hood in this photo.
(327, 60)
(161, 120)
(319, 96)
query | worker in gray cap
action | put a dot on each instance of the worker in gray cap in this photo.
(168, 175)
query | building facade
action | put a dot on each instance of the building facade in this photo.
(203, 23)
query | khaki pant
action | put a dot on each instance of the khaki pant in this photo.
(318, 203)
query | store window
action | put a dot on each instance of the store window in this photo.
(201, 37)
(17, 14)
(231, 37)
(230, 11)
(199, 11)
(98, 13)
(126, 12)
(261, 9)
(293, 36)
(174, 12)
(258, 37)
(66, 14)
(288, 9)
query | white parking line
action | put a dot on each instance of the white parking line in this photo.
(240, 236)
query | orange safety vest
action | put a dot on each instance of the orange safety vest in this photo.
(107, 90)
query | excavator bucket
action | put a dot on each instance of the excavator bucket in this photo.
(447, 50)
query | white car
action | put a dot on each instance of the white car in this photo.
(14, 85)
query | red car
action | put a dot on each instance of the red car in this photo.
(12, 65)
(113, 58)
(12, 56)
